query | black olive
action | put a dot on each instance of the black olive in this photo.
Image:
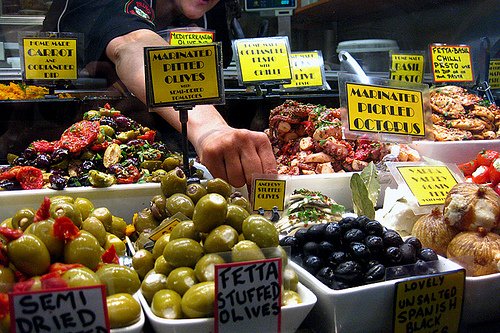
(42, 161)
(313, 264)
(298, 259)
(417, 244)
(374, 228)
(392, 238)
(347, 223)
(310, 249)
(427, 254)
(332, 233)
(325, 275)
(29, 153)
(86, 166)
(393, 255)
(316, 232)
(374, 243)
(409, 255)
(109, 121)
(59, 155)
(8, 185)
(397, 272)
(339, 285)
(360, 251)
(372, 263)
(325, 248)
(301, 236)
(421, 267)
(362, 220)
(289, 241)
(337, 257)
(375, 273)
(57, 182)
(84, 180)
(21, 161)
(348, 271)
(354, 235)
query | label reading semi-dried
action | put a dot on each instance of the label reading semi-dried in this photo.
(451, 63)
(407, 67)
(50, 59)
(269, 194)
(306, 70)
(429, 184)
(191, 37)
(494, 74)
(263, 60)
(385, 110)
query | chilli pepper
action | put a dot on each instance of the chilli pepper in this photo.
(10, 233)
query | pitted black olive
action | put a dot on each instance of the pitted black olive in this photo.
(326, 275)
(427, 254)
(375, 273)
(313, 264)
(392, 238)
(349, 271)
(374, 228)
(337, 257)
(332, 233)
(354, 235)
(417, 244)
(374, 243)
(393, 255)
(360, 251)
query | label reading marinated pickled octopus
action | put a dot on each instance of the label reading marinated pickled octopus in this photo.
(50, 59)
(248, 295)
(451, 63)
(431, 304)
(407, 67)
(68, 310)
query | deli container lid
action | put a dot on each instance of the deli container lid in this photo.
(368, 45)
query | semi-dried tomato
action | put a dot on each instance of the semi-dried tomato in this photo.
(10, 233)
(52, 281)
(4, 305)
(110, 256)
(65, 229)
(44, 146)
(79, 135)
(130, 175)
(60, 268)
(43, 211)
(149, 136)
(30, 178)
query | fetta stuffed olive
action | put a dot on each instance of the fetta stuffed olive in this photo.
(123, 310)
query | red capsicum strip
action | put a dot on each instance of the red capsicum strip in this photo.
(43, 212)
(65, 229)
(110, 256)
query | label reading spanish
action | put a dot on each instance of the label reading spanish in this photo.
(385, 110)
(451, 63)
(248, 294)
(430, 304)
(50, 59)
(306, 70)
(494, 74)
(191, 37)
(407, 67)
(263, 59)
(429, 184)
(269, 194)
(67, 310)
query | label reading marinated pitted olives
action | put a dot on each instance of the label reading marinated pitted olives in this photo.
(248, 294)
(68, 310)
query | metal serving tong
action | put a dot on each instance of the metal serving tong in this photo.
(482, 86)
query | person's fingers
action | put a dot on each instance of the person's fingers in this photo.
(266, 155)
(234, 168)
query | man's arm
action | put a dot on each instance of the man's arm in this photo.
(228, 153)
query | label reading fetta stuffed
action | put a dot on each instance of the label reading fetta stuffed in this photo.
(494, 74)
(385, 110)
(430, 304)
(407, 67)
(269, 194)
(451, 63)
(307, 70)
(429, 184)
(50, 59)
(263, 60)
(190, 37)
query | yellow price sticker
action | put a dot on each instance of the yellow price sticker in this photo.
(494, 74)
(269, 194)
(50, 58)
(429, 304)
(407, 67)
(429, 184)
(166, 229)
(385, 110)
(191, 37)
(451, 63)
(306, 70)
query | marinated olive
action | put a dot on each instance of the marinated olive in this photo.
(171, 162)
(144, 220)
(375, 273)
(198, 301)
(80, 277)
(316, 232)
(23, 218)
(152, 283)
(44, 231)
(123, 310)
(84, 249)
(290, 279)
(237, 199)
(205, 267)
(221, 239)
(167, 304)
(235, 217)
(393, 255)
(427, 254)
(195, 191)
(118, 226)
(157, 207)
(175, 181)
(151, 165)
(63, 198)
(118, 278)
(210, 211)
(183, 252)
(326, 275)
(101, 179)
(104, 215)
(179, 203)
(143, 262)
(160, 245)
(290, 297)
(63, 208)
(112, 240)
(246, 250)
(185, 229)
(162, 266)
(181, 279)
(85, 206)
(220, 186)
(29, 255)
(260, 230)
(7, 279)
(93, 225)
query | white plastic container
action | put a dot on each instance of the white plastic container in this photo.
(371, 54)
(454, 151)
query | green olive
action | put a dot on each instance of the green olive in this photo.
(93, 225)
(7, 279)
(290, 279)
(235, 216)
(83, 249)
(80, 277)
(195, 191)
(155, 176)
(7, 223)
(152, 283)
(221, 239)
(160, 245)
(127, 135)
(64, 198)
(23, 218)
(175, 181)
(246, 250)
(63, 208)
(179, 203)
(237, 199)
(205, 267)
(104, 215)
(143, 262)
(107, 130)
(5, 323)
(183, 252)
(181, 279)
(277, 252)
(44, 230)
(123, 310)
(29, 255)
(198, 301)
(220, 186)
(144, 220)
(260, 230)
(210, 212)
(171, 162)
(118, 226)
(151, 165)
(162, 266)
(167, 304)
(112, 240)
(85, 206)
(290, 297)
(101, 179)
(118, 278)
(157, 207)
(185, 229)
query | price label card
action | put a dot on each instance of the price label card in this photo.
(407, 67)
(268, 194)
(63, 310)
(184, 75)
(429, 304)
(49, 58)
(165, 228)
(248, 294)
(377, 109)
(263, 60)
(494, 74)
(190, 37)
(451, 63)
(307, 70)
